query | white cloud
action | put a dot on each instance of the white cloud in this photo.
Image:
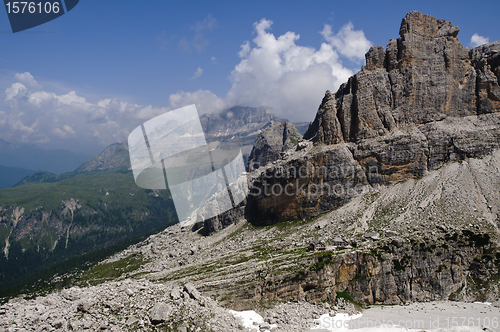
(273, 70)
(477, 40)
(72, 99)
(37, 98)
(197, 73)
(60, 133)
(70, 119)
(27, 79)
(68, 129)
(205, 101)
(292, 78)
(350, 43)
(245, 49)
(15, 91)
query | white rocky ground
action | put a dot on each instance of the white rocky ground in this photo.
(139, 305)
(143, 306)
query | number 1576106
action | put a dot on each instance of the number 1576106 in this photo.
(24, 7)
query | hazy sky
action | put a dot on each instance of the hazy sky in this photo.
(86, 79)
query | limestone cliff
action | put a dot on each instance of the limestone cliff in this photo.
(426, 75)
(424, 101)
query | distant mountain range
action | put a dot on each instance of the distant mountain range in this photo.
(242, 123)
(31, 157)
(11, 175)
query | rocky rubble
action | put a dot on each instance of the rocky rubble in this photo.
(426, 75)
(139, 305)
(127, 305)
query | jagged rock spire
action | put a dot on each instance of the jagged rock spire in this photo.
(425, 75)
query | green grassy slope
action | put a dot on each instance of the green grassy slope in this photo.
(111, 208)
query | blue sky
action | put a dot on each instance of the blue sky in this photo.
(107, 58)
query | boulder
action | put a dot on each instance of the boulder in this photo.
(159, 313)
(192, 291)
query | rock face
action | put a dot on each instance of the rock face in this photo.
(396, 276)
(426, 75)
(271, 142)
(422, 102)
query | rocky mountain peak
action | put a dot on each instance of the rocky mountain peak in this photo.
(245, 120)
(114, 156)
(426, 25)
(426, 75)
(326, 127)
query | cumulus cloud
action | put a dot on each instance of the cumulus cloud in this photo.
(27, 79)
(273, 70)
(349, 42)
(17, 91)
(197, 73)
(41, 117)
(477, 40)
(205, 101)
(45, 117)
(290, 78)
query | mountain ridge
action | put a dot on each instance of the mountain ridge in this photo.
(240, 122)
